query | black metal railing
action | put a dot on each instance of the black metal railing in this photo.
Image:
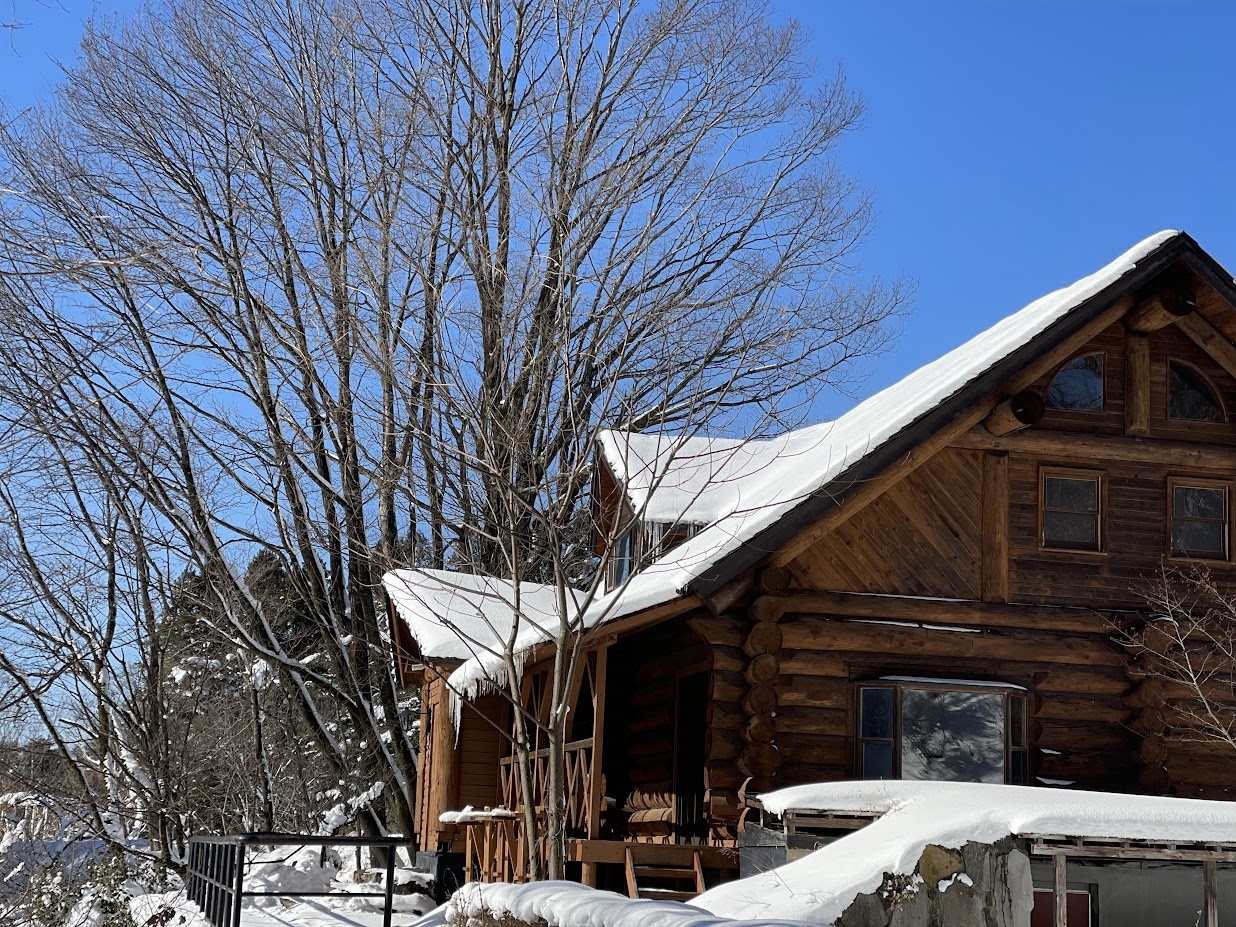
(217, 865)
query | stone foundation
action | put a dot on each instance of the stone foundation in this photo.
(980, 885)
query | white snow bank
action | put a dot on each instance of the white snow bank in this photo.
(569, 904)
(166, 909)
(306, 869)
(819, 887)
(760, 487)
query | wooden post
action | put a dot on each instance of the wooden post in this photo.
(995, 553)
(1210, 340)
(1061, 892)
(595, 769)
(1136, 384)
(1164, 308)
(1026, 408)
(1210, 905)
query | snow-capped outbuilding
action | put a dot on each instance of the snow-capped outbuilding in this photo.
(927, 588)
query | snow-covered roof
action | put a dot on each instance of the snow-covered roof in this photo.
(682, 479)
(820, 886)
(759, 486)
(782, 472)
(460, 616)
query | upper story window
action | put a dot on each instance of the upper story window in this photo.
(1071, 504)
(1078, 385)
(1190, 396)
(1200, 519)
(622, 560)
(917, 729)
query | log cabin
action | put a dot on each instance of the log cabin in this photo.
(932, 586)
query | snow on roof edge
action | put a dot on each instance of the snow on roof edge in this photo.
(457, 616)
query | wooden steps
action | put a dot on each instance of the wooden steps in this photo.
(669, 872)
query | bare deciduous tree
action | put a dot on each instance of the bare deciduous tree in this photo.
(651, 234)
(1187, 649)
(321, 281)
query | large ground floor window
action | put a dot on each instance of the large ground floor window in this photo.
(955, 731)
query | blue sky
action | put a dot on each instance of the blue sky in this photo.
(1012, 146)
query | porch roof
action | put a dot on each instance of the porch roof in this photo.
(462, 616)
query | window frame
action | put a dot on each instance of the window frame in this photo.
(1010, 693)
(1074, 473)
(1200, 374)
(1189, 482)
(1057, 410)
(629, 557)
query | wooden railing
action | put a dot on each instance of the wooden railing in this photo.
(577, 783)
(497, 849)
(493, 851)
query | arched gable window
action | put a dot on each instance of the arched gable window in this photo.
(1078, 385)
(1190, 396)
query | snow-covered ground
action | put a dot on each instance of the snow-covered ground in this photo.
(813, 890)
(322, 912)
(174, 910)
(293, 870)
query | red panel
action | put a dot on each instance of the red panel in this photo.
(1044, 912)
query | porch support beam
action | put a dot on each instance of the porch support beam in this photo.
(1075, 445)
(595, 773)
(1061, 886)
(1210, 906)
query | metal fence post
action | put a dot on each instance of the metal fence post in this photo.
(238, 884)
(391, 853)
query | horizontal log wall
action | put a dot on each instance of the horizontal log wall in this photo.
(1135, 525)
(1091, 718)
(480, 747)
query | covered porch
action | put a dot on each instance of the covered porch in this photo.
(638, 818)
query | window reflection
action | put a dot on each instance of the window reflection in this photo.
(932, 732)
(955, 736)
(1199, 521)
(1078, 386)
(1190, 395)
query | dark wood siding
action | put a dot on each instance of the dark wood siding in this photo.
(922, 537)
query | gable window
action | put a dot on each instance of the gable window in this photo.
(622, 562)
(919, 729)
(1071, 509)
(1199, 510)
(1190, 396)
(1078, 385)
